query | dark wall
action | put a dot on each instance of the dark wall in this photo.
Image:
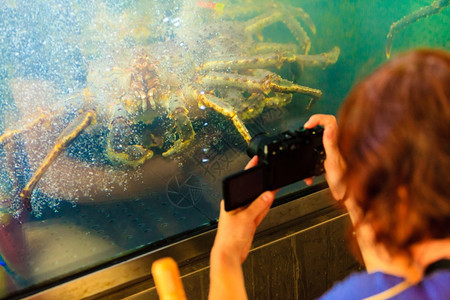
(300, 259)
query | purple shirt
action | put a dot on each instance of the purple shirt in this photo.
(363, 285)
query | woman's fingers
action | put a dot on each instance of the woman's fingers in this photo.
(329, 133)
(253, 162)
(334, 164)
(258, 209)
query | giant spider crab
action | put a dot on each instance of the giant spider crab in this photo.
(221, 69)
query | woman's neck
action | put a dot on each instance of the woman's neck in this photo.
(376, 258)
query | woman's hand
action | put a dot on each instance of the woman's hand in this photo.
(236, 228)
(234, 237)
(334, 164)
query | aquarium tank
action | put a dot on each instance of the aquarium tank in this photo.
(119, 119)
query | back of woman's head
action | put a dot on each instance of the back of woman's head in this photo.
(395, 140)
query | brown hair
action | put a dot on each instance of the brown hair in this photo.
(395, 140)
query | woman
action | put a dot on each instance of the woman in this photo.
(390, 166)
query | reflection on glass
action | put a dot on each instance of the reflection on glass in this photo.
(120, 118)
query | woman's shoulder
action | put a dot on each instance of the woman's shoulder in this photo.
(363, 285)
(436, 285)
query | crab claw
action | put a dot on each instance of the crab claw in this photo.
(183, 126)
(122, 147)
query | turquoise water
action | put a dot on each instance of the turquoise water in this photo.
(62, 58)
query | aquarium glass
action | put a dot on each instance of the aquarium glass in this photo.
(119, 119)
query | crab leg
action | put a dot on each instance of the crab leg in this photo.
(258, 23)
(221, 107)
(262, 101)
(299, 12)
(321, 60)
(275, 60)
(257, 62)
(10, 134)
(299, 33)
(64, 140)
(227, 110)
(241, 11)
(245, 11)
(266, 48)
(421, 13)
(267, 84)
